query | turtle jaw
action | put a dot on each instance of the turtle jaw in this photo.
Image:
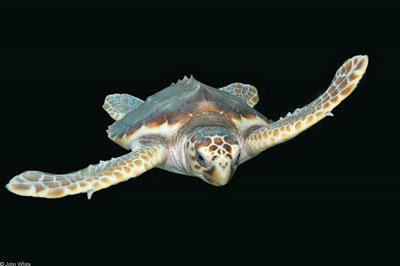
(218, 176)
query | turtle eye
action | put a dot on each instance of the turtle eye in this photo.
(237, 157)
(200, 159)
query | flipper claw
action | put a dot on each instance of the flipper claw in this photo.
(90, 194)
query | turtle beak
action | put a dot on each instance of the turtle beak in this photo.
(219, 175)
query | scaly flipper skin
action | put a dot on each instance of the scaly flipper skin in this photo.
(245, 92)
(118, 105)
(90, 179)
(344, 82)
(189, 128)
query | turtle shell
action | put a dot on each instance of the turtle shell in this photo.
(170, 108)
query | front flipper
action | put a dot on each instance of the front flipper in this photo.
(90, 179)
(344, 82)
(118, 105)
(245, 92)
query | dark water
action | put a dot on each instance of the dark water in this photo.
(340, 174)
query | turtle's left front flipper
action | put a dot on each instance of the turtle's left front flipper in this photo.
(344, 82)
(90, 179)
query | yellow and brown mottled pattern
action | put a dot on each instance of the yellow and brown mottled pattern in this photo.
(90, 179)
(168, 109)
(344, 82)
(118, 105)
(212, 147)
(245, 92)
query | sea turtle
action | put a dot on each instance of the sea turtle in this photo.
(189, 128)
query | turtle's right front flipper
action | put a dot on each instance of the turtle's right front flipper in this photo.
(90, 179)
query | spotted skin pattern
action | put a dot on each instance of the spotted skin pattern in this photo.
(90, 179)
(218, 151)
(344, 82)
(189, 128)
(245, 92)
(118, 105)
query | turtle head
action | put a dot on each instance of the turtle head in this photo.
(212, 154)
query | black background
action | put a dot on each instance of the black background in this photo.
(58, 66)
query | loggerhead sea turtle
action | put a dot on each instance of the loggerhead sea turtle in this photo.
(189, 128)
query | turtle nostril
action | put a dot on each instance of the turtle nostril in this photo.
(223, 165)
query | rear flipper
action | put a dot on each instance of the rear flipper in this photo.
(118, 105)
(90, 179)
(245, 92)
